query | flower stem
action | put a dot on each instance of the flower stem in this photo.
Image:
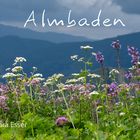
(68, 109)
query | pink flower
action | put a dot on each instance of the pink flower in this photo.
(60, 121)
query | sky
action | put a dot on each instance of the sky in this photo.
(16, 12)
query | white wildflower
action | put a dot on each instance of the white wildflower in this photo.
(60, 86)
(53, 79)
(71, 81)
(38, 79)
(81, 59)
(94, 75)
(75, 74)
(59, 75)
(17, 69)
(132, 68)
(81, 79)
(48, 82)
(86, 47)
(56, 91)
(93, 53)
(8, 69)
(9, 75)
(19, 75)
(74, 57)
(114, 71)
(122, 114)
(19, 60)
(94, 93)
(38, 75)
(35, 68)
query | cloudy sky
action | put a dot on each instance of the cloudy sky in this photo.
(16, 12)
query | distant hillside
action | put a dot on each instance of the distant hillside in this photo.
(55, 58)
(48, 36)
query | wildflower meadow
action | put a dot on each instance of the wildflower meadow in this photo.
(87, 105)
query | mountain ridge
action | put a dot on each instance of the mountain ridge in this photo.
(53, 58)
(48, 36)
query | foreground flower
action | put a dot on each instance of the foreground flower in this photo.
(99, 57)
(112, 89)
(61, 121)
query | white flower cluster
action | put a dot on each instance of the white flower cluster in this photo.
(9, 75)
(86, 47)
(37, 75)
(94, 93)
(114, 71)
(53, 79)
(19, 60)
(17, 69)
(94, 75)
(74, 57)
(75, 74)
(81, 59)
(81, 79)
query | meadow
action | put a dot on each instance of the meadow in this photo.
(83, 106)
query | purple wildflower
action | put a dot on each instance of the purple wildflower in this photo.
(60, 121)
(3, 89)
(134, 53)
(112, 89)
(128, 75)
(83, 89)
(99, 57)
(116, 44)
(43, 90)
(3, 103)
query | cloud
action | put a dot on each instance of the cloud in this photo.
(129, 6)
(19, 9)
(80, 6)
